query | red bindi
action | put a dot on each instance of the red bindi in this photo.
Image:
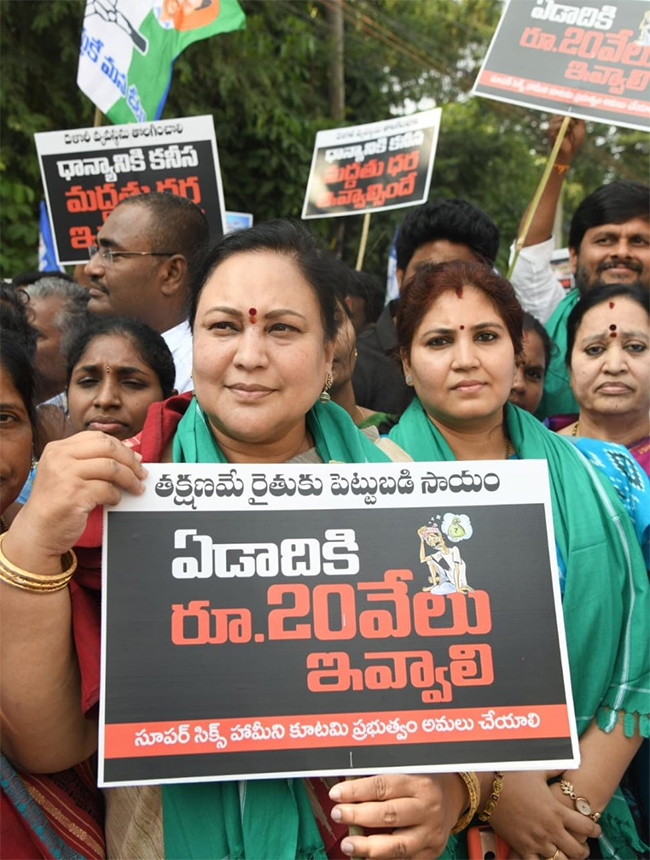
(462, 327)
(612, 327)
(252, 313)
(612, 334)
(611, 304)
(459, 292)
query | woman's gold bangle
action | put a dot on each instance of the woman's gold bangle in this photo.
(25, 579)
(493, 799)
(474, 788)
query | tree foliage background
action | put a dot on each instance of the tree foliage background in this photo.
(268, 88)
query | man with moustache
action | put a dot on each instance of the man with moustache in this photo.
(609, 243)
(142, 265)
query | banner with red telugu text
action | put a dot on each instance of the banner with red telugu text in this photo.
(86, 172)
(339, 620)
(590, 60)
(372, 167)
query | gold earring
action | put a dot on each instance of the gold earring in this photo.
(324, 396)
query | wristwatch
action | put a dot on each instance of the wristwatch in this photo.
(581, 804)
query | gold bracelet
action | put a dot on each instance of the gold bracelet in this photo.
(497, 785)
(581, 804)
(29, 585)
(12, 571)
(25, 579)
(561, 168)
(474, 788)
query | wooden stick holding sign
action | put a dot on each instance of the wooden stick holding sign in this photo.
(363, 242)
(355, 829)
(521, 238)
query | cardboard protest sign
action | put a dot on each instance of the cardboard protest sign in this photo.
(299, 620)
(373, 167)
(86, 172)
(590, 60)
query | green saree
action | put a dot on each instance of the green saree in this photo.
(606, 594)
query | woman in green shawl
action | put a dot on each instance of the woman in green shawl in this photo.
(264, 324)
(460, 333)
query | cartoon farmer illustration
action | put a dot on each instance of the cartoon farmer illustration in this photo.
(447, 570)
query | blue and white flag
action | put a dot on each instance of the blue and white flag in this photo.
(47, 259)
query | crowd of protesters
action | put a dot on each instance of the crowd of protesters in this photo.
(264, 348)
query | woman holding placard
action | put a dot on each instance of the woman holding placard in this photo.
(264, 323)
(460, 332)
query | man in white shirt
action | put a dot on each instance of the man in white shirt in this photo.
(142, 265)
(609, 242)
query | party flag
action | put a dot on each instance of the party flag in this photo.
(128, 48)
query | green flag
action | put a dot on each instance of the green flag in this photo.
(128, 48)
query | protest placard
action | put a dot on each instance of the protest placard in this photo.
(86, 172)
(372, 167)
(588, 60)
(337, 619)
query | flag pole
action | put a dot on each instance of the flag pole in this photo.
(521, 238)
(363, 242)
(99, 117)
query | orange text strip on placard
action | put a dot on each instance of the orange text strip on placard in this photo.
(249, 734)
(566, 94)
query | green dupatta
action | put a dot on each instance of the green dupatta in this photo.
(335, 436)
(605, 603)
(558, 398)
(264, 818)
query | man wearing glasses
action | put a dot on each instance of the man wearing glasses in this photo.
(141, 266)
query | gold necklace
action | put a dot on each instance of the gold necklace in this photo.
(574, 432)
(509, 449)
